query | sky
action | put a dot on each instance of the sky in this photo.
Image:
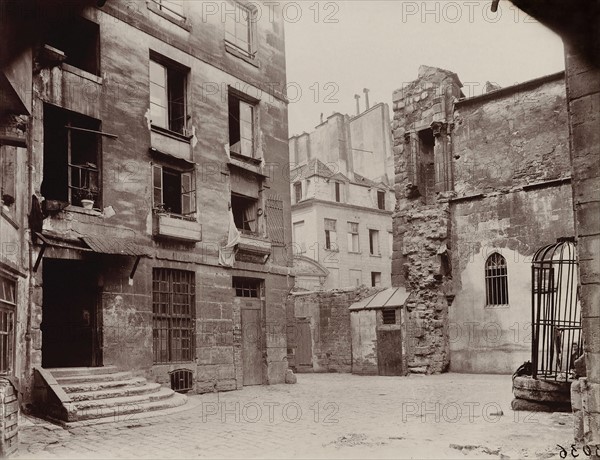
(334, 49)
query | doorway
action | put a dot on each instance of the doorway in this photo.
(69, 314)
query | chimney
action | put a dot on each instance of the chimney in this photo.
(357, 97)
(366, 91)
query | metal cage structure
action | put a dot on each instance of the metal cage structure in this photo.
(556, 311)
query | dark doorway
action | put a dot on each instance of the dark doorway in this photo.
(69, 311)
(389, 351)
(304, 345)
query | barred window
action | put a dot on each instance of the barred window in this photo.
(496, 280)
(7, 312)
(247, 287)
(389, 316)
(173, 306)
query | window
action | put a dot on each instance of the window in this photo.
(426, 168)
(8, 304)
(380, 199)
(71, 157)
(375, 279)
(79, 42)
(299, 242)
(239, 29)
(167, 94)
(337, 191)
(353, 237)
(8, 176)
(374, 242)
(388, 315)
(173, 308)
(173, 8)
(247, 287)
(298, 191)
(355, 277)
(330, 235)
(496, 280)
(245, 212)
(174, 191)
(241, 126)
(391, 243)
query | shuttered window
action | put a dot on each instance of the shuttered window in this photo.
(275, 221)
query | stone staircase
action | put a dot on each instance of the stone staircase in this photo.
(90, 393)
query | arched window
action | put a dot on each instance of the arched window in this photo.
(496, 280)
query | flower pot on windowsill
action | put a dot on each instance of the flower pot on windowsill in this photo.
(87, 204)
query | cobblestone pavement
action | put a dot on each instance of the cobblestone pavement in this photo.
(325, 416)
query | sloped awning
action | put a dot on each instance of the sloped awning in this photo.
(96, 244)
(388, 298)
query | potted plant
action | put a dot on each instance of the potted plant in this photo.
(89, 197)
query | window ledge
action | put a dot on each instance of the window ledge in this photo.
(497, 307)
(183, 22)
(332, 250)
(82, 73)
(235, 51)
(80, 210)
(171, 134)
(375, 255)
(355, 252)
(8, 216)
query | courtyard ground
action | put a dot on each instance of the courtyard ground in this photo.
(324, 416)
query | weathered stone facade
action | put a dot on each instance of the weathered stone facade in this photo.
(117, 97)
(330, 336)
(475, 177)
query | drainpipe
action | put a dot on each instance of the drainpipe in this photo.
(357, 97)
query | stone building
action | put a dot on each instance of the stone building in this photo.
(160, 231)
(342, 199)
(482, 183)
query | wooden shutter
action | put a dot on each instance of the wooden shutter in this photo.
(188, 193)
(275, 222)
(157, 186)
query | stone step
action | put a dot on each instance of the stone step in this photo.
(127, 412)
(125, 390)
(122, 402)
(87, 386)
(95, 378)
(76, 371)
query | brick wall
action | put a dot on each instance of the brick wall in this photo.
(9, 419)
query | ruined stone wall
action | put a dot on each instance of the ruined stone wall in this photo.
(331, 335)
(421, 225)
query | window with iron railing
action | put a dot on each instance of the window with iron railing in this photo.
(496, 280)
(72, 146)
(174, 313)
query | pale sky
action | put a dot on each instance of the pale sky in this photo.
(334, 49)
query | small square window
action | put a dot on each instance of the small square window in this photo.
(389, 315)
(375, 279)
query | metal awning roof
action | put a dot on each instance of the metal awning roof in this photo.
(115, 246)
(388, 298)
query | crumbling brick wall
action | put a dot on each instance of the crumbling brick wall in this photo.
(9, 419)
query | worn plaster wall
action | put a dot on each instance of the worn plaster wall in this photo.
(511, 179)
(364, 342)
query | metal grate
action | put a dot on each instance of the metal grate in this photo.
(173, 306)
(247, 287)
(496, 280)
(556, 312)
(275, 221)
(182, 380)
(389, 315)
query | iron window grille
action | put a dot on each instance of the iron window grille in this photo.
(182, 380)
(496, 280)
(248, 287)
(388, 315)
(173, 306)
(7, 310)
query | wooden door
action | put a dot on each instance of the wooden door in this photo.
(303, 345)
(252, 346)
(389, 351)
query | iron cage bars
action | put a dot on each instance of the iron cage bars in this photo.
(555, 311)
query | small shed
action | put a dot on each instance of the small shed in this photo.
(378, 328)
